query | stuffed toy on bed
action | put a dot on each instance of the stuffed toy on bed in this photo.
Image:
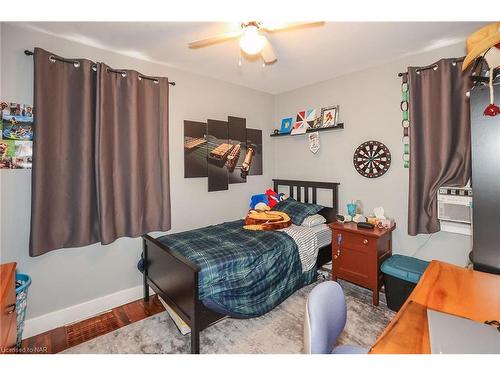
(266, 201)
(274, 198)
(259, 202)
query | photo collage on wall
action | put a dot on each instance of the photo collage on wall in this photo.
(16, 135)
(224, 151)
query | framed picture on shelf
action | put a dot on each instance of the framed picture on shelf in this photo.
(329, 116)
(300, 120)
(310, 117)
(286, 125)
(305, 119)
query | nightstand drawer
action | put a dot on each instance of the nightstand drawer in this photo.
(355, 241)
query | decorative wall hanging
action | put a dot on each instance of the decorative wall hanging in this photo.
(329, 116)
(224, 151)
(405, 122)
(314, 143)
(16, 135)
(372, 159)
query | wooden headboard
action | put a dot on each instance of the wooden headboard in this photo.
(300, 190)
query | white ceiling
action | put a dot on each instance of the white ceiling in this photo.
(305, 56)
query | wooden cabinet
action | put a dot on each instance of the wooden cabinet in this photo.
(8, 319)
(358, 253)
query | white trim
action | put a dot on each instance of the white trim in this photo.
(71, 314)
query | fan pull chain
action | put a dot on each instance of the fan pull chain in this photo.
(405, 123)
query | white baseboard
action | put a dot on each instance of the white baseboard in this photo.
(81, 311)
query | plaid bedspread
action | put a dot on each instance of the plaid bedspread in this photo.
(243, 273)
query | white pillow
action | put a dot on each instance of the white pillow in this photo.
(313, 220)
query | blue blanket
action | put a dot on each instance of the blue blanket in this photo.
(243, 273)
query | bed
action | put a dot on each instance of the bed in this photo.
(189, 280)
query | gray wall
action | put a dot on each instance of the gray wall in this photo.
(369, 107)
(67, 277)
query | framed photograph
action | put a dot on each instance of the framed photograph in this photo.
(286, 125)
(329, 116)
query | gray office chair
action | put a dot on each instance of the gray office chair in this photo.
(325, 320)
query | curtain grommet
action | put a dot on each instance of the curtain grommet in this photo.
(124, 74)
(52, 59)
(76, 64)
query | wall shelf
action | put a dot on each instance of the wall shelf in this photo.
(338, 127)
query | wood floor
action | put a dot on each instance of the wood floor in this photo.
(62, 338)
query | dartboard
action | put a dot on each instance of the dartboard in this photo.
(372, 159)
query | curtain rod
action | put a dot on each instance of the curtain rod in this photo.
(30, 53)
(454, 61)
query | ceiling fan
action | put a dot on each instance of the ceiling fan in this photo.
(252, 40)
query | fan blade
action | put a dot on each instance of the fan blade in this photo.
(268, 54)
(215, 39)
(274, 27)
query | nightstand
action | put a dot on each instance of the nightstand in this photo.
(358, 253)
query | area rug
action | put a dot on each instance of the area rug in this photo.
(278, 332)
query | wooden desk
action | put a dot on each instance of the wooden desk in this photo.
(443, 287)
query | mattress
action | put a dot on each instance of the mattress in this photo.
(309, 240)
(323, 233)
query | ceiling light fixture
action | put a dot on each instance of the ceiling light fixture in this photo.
(251, 41)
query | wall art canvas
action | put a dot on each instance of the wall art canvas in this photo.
(253, 159)
(237, 134)
(195, 149)
(329, 116)
(16, 135)
(218, 150)
(286, 125)
(224, 151)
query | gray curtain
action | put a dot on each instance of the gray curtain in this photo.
(132, 154)
(64, 197)
(100, 158)
(440, 149)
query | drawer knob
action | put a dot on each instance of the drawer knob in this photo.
(365, 241)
